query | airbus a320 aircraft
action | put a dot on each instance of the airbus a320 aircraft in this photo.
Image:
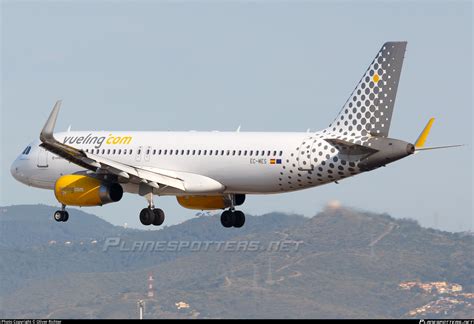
(216, 170)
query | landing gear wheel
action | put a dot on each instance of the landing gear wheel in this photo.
(58, 216)
(227, 218)
(147, 216)
(239, 219)
(61, 216)
(159, 216)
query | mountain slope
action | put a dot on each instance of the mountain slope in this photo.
(340, 263)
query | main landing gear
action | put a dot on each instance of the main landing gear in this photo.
(233, 218)
(151, 215)
(61, 215)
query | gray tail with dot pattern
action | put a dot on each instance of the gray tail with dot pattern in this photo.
(368, 111)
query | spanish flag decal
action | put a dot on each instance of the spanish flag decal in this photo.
(275, 161)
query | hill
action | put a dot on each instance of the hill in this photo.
(17, 224)
(341, 263)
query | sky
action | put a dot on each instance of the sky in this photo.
(263, 65)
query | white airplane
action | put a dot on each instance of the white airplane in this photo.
(216, 170)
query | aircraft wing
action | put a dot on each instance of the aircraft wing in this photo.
(154, 177)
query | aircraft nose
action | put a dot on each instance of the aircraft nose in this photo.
(14, 169)
(17, 171)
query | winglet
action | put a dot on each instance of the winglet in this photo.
(420, 142)
(48, 129)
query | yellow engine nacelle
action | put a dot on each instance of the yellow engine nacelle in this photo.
(80, 190)
(204, 202)
(209, 202)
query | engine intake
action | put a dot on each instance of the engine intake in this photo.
(81, 190)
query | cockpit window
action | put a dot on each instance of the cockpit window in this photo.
(27, 150)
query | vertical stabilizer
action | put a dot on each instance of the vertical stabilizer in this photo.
(368, 111)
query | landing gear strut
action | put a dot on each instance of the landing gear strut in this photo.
(61, 215)
(151, 215)
(232, 217)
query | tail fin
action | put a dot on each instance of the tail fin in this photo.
(368, 111)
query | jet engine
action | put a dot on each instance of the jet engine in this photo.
(210, 202)
(81, 190)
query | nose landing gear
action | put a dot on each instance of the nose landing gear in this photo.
(61, 215)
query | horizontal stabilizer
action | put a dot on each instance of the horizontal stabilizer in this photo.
(349, 148)
(437, 147)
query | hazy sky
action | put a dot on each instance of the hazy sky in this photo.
(268, 66)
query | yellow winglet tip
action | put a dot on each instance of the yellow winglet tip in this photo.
(420, 142)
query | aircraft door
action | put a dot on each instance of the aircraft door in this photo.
(138, 157)
(42, 158)
(147, 154)
(304, 155)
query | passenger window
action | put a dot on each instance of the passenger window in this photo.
(176, 152)
(281, 153)
(204, 153)
(113, 152)
(119, 151)
(256, 153)
(274, 153)
(268, 153)
(228, 152)
(245, 153)
(182, 152)
(154, 152)
(210, 152)
(222, 152)
(130, 151)
(199, 152)
(233, 152)
(194, 152)
(165, 151)
(251, 153)
(103, 151)
(139, 151)
(240, 152)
